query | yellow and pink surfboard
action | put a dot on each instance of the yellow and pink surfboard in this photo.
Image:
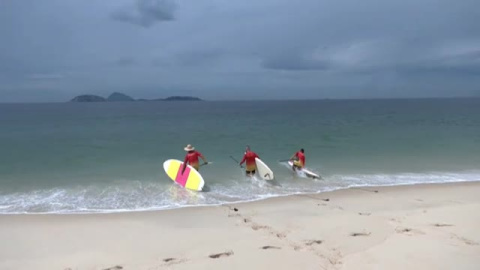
(190, 178)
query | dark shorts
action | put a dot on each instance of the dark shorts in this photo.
(250, 172)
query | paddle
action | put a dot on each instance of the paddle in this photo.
(208, 163)
(236, 161)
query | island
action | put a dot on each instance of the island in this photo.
(88, 98)
(116, 97)
(178, 98)
(120, 97)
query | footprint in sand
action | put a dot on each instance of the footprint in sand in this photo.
(296, 247)
(170, 261)
(223, 254)
(313, 242)
(465, 240)
(408, 231)
(364, 214)
(234, 214)
(368, 190)
(397, 219)
(360, 234)
(116, 267)
(442, 225)
(257, 227)
(270, 247)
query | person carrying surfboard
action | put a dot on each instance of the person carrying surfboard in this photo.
(249, 158)
(298, 160)
(192, 158)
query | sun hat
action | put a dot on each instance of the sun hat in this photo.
(189, 148)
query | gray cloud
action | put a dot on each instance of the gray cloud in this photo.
(455, 63)
(146, 13)
(46, 76)
(126, 62)
(53, 50)
(371, 56)
(199, 57)
(295, 62)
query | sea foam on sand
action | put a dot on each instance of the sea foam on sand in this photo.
(433, 226)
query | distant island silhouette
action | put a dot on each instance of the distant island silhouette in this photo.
(120, 97)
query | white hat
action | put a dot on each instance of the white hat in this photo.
(189, 148)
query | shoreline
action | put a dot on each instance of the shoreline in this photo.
(422, 226)
(236, 202)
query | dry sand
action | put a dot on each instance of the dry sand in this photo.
(406, 227)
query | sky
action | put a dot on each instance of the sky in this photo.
(53, 50)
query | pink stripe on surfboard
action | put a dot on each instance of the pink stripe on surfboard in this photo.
(182, 178)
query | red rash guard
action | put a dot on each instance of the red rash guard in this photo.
(301, 157)
(192, 159)
(249, 157)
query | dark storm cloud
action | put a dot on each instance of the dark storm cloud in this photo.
(146, 13)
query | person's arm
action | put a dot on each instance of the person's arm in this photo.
(243, 159)
(184, 164)
(202, 157)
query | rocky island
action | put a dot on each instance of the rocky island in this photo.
(120, 97)
(88, 98)
(175, 98)
(116, 97)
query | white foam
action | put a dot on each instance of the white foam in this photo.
(123, 196)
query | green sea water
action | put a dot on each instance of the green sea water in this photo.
(107, 157)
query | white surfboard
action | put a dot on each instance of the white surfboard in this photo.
(263, 170)
(307, 172)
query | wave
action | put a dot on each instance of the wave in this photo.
(127, 196)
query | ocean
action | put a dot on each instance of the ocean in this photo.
(107, 157)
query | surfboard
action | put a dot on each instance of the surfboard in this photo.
(263, 170)
(307, 172)
(190, 179)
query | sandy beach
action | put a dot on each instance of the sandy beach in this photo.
(403, 227)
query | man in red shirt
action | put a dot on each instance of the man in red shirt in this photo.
(249, 158)
(298, 159)
(192, 158)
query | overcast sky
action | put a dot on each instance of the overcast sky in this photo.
(52, 50)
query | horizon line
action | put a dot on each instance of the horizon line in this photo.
(248, 100)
